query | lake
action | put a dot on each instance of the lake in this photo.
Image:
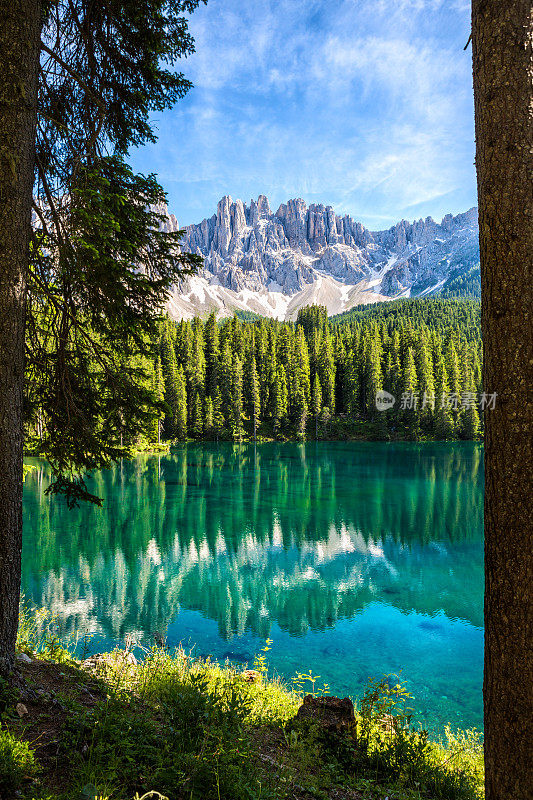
(356, 559)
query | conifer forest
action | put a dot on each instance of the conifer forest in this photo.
(317, 377)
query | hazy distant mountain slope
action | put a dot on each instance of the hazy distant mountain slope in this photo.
(275, 263)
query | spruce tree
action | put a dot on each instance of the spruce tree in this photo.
(395, 376)
(80, 81)
(218, 416)
(300, 408)
(317, 401)
(280, 400)
(326, 372)
(212, 354)
(443, 419)
(170, 372)
(426, 381)
(352, 380)
(468, 422)
(373, 378)
(197, 416)
(236, 397)
(452, 367)
(181, 405)
(196, 370)
(225, 379)
(158, 388)
(255, 398)
(301, 365)
(410, 390)
(209, 416)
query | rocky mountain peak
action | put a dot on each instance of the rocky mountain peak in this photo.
(260, 257)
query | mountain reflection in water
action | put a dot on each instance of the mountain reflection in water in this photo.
(226, 542)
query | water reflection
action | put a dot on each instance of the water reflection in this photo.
(298, 535)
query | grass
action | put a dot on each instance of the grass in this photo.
(184, 728)
(17, 762)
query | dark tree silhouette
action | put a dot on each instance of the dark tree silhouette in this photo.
(79, 80)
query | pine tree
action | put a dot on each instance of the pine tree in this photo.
(340, 362)
(197, 366)
(284, 346)
(373, 379)
(181, 405)
(300, 388)
(317, 401)
(236, 397)
(280, 399)
(326, 372)
(452, 367)
(410, 390)
(352, 383)
(443, 420)
(468, 423)
(218, 416)
(225, 379)
(197, 417)
(79, 84)
(158, 388)
(312, 318)
(170, 372)
(395, 375)
(268, 401)
(426, 381)
(209, 416)
(403, 355)
(300, 409)
(255, 398)
(301, 365)
(212, 354)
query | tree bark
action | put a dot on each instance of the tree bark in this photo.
(20, 28)
(502, 39)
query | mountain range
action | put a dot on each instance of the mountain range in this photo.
(272, 264)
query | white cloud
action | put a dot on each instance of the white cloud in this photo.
(365, 104)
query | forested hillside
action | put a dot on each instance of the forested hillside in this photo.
(316, 377)
(319, 377)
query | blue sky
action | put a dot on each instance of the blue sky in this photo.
(365, 105)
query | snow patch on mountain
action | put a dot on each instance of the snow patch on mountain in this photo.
(275, 263)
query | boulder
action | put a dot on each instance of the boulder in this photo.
(23, 658)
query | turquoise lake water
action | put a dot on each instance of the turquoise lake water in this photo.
(356, 559)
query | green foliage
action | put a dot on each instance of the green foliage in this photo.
(266, 379)
(101, 261)
(320, 378)
(187, 733)
(194, 728)
(385, 753)
(17, 763)
(38, 633)
(439, 314)
(312, 318)
(463, 283)
(391, 749)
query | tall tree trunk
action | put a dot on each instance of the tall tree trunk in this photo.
(20, 27)
(502, 36)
